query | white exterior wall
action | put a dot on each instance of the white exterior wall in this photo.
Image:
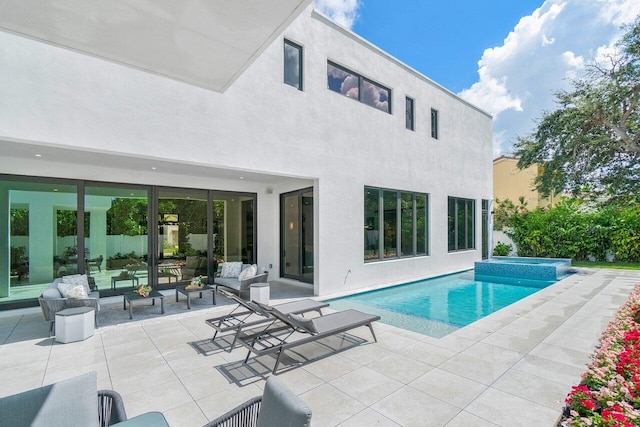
(57, 97)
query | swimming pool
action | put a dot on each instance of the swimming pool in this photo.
(439, 306)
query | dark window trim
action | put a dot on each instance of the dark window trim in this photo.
(410, 120)
(456, 229)
(361, 80)
(399, 193)
(300, 62)
(435, 118)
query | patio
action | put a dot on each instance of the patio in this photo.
(512, 368)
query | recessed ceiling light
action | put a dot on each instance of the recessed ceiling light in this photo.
(38, 155)
(55, 189)
(153, 168)
(242, 177)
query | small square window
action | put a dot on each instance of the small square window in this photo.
(434, 123)
(292, 64)
(410, 116)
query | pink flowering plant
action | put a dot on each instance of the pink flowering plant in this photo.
(609, 393)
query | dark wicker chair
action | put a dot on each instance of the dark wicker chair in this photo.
(277, 407)
(110, 408)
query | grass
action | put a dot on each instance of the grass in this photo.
(604, 264)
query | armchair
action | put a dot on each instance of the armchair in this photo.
(194, 266)
(51, 301)
(277, 407)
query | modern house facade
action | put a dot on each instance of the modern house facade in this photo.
(119, 172)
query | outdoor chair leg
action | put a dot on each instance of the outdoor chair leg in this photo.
(372, 333)
(275, 368)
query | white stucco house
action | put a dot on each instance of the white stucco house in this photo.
(276, 137)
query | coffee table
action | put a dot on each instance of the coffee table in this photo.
(182, 289)
(130, 296)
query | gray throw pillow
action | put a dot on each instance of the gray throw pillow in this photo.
(51, 293)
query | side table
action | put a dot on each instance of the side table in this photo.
(129, 297)
(260, 292)
(182, 289)
(74, 324)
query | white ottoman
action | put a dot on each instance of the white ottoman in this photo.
(74, 324)
(259, 292)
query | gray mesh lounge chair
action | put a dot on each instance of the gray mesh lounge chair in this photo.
(277, 339)
(248, 314)
(277, 407)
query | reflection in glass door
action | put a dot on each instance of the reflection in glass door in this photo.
(296, 241)
(182, 236)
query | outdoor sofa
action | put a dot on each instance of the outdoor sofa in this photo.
(240, 285)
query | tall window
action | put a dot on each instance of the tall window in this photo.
(434, 123)
(461, 224)
(410, 120)
(353, 85)
(395, 224)
(293, 64)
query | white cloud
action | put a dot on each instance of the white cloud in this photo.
(516, 80)
(344, 12)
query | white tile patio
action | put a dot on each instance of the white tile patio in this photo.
(512, 368)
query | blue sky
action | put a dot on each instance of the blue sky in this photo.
(506, 56)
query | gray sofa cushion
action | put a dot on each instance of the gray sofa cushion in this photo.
(51, 293)
(229, 282)
(71, 402)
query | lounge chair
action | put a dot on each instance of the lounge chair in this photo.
(277, 407)
(248, 314)
(277, 339)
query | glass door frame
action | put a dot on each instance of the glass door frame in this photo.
(301, 249)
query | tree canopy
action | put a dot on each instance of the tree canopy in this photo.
(591, 142)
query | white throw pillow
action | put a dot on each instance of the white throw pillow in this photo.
(247, 273)
(231, 269)
(78, 279)
(72, 290)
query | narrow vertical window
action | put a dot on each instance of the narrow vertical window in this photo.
(410, 121)
(371, 223)
(292, 64)
(434, 123)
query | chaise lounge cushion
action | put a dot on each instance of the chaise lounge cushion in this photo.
(70, 402)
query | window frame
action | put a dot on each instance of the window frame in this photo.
(300, 49)
(381, 232)
(410, 113)
(435, 124)
(361, 80)
(455, 226)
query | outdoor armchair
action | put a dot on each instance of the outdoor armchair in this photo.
(52, 302)
(277, 407)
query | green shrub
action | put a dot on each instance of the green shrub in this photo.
(502, 249)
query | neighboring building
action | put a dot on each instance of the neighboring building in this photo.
(511, 183)
(270, 162)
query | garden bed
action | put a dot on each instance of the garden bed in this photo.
(609, 393)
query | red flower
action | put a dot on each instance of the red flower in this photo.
(588, 404)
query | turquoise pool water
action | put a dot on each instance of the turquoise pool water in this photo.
(439, 306)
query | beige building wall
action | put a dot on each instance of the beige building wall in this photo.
(511, 183)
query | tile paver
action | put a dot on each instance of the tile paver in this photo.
(511, 368)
